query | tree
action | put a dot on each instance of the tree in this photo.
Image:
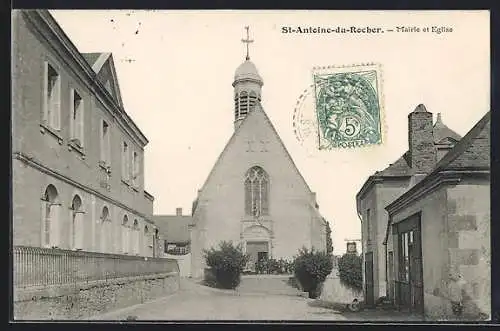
(350, 271)
(329, 244)
(311, 268)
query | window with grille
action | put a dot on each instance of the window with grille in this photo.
(256, 192)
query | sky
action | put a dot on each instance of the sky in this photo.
(175, 70)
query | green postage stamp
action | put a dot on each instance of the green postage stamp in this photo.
(347, 103)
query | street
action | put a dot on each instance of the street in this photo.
(197, 302)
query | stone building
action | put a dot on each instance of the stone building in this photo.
(255, 195)
(77, 157)
(174, 232)
(435, 223)
(377, 192)
(439, 228)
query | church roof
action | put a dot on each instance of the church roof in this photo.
(256, 109)
(247, 70)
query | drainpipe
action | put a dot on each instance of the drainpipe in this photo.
(362, 256)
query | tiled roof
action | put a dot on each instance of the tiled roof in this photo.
(173, 228)
(441, 132)
(472, 151)
(91, 57)
(399, 168)
(443, 135)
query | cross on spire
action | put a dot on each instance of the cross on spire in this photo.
(247, 41)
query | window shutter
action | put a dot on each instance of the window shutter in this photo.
(124, 239)
(101, 141)
(56, 105)
(102, 233)
(45, 106)
(129, 164)
(80, 230)
(81, 116)
(72, 124)
(46, 223)
(108, 146)
(124, 161)
(54, 224)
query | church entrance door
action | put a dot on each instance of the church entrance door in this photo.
(257, 250)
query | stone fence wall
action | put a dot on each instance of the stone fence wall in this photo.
(53, 284)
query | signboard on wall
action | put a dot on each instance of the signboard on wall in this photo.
(351, 248)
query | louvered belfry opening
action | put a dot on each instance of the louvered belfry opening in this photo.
(244, 103)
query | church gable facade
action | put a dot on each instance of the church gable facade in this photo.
(255, 196)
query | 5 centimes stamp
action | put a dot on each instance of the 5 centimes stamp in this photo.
(348, 106)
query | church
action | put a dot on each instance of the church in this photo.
(254, 196)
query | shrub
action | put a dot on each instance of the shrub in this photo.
(311, 268)
(350, 271)
(226, 263)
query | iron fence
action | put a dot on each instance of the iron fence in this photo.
(36, 266)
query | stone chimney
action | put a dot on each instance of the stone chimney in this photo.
(422, 151)
(178, 211)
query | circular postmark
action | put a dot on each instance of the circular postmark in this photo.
(341, 109)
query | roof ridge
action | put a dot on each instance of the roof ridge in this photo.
(254, 110)
(463, 143)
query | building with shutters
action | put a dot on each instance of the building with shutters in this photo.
(77, 157)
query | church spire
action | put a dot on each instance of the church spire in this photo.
(247, 42)
(247, 85)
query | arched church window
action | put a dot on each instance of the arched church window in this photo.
(50, 207)
(256, 192)
(77, 222)
(125, 234)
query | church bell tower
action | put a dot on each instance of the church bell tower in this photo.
(247, 86)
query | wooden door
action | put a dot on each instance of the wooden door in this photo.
(369, 291)
(416, 281)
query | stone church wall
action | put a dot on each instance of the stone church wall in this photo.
(220, 214)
